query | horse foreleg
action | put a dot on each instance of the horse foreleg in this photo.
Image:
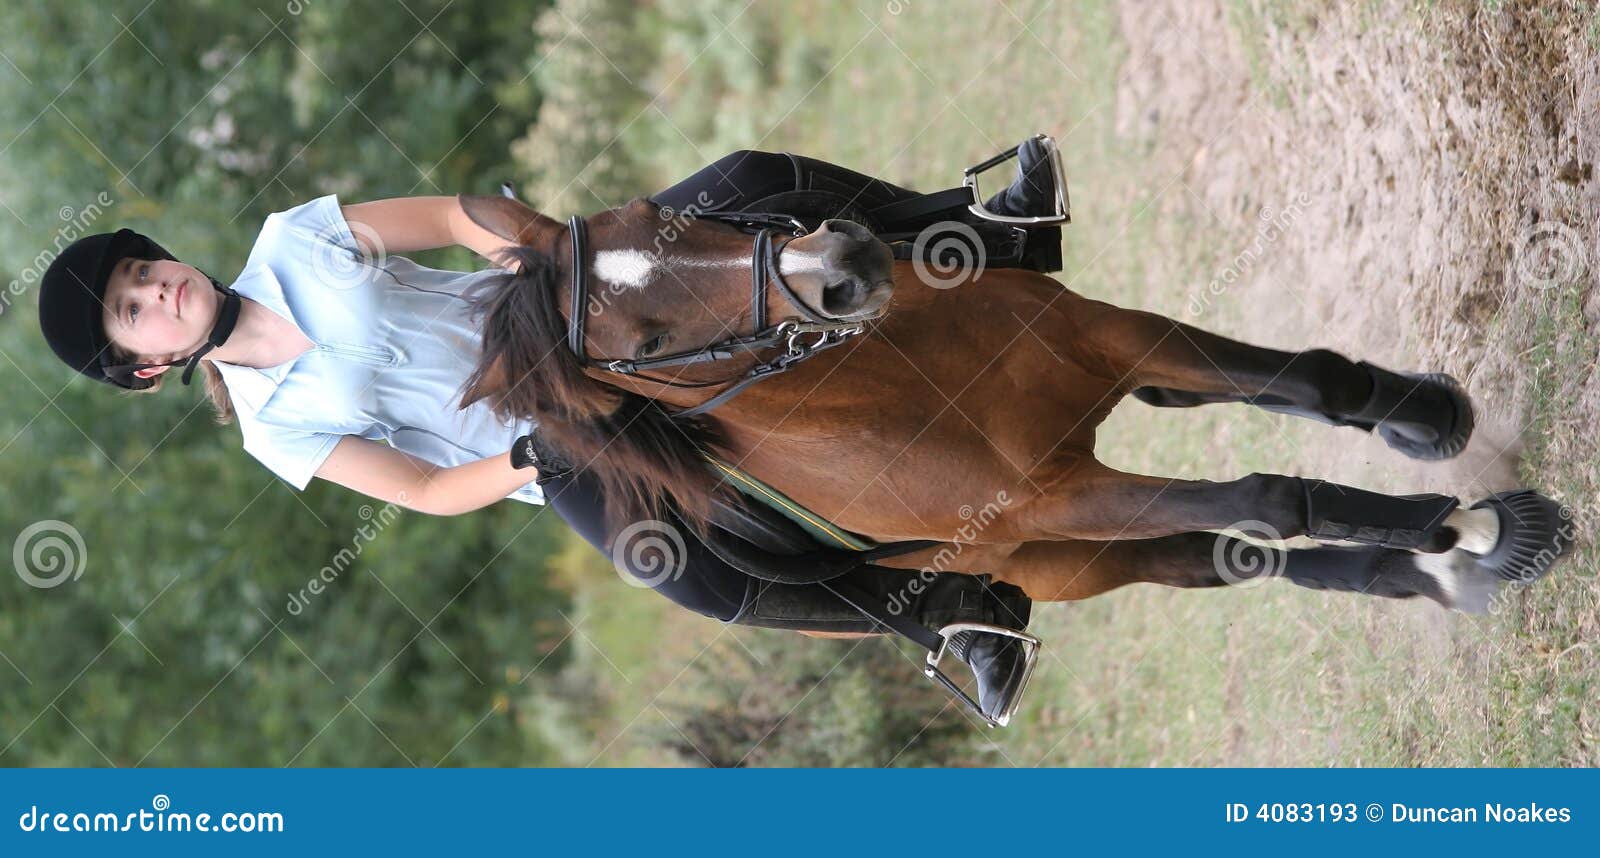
(1159, 358)
(1167, 363)
(1067, 571)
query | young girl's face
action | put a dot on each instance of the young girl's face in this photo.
(160, 310)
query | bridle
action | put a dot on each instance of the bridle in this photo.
(789, 334)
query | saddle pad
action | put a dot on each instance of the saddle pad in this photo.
(819, 528)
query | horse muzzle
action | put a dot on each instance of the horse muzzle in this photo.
(841, 269)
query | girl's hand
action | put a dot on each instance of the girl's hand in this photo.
(528, 452)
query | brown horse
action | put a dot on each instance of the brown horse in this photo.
(984, 395)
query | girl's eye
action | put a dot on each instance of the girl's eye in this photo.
(143, 270)
(133, 312)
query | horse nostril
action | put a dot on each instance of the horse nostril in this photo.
(844, 297)
(849, 229)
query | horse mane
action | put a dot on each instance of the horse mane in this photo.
(648, 462)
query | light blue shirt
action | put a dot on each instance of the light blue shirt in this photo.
(394, 346)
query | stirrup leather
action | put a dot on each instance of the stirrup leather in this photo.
(1058, 176)
(1030, 656)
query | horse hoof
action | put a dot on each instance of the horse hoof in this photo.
(1535, 531)
(1460, 584)
(1435, 443)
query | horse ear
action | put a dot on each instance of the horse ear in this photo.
(509, 219)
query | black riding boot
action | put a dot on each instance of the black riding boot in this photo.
(997, 662)
(1032, 194)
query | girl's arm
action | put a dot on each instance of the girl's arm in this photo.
(401, 225)
(380, 471)
(404, 224)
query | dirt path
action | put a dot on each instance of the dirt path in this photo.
(1416, 192)
(1411, 182)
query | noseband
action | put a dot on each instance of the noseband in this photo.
(790, 334)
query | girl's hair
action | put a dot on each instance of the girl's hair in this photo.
(216, 390)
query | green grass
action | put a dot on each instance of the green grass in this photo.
(1555, 672)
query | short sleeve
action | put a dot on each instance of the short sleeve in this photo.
(293, 454)
(319, 222)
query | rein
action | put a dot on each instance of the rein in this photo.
(788, 334)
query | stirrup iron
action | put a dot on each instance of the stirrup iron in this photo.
(1058, 175)
(1030, 656)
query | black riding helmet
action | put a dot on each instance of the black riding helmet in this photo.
(72, 295)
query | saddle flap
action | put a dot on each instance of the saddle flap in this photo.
(761, 526)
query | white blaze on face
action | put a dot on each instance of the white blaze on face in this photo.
(795, 262)
(635, 269)
(627, 269)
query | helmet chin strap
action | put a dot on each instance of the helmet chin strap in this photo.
(227, 318)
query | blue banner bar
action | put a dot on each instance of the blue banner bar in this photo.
(793, 812)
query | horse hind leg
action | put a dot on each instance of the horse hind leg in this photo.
(1069, 571)
(1171, 364)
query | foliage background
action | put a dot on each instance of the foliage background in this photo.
(469, 640)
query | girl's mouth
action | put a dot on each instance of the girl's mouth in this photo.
(177, 301)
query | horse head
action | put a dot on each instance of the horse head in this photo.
(672, 307)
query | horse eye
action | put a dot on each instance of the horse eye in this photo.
(652, 346)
